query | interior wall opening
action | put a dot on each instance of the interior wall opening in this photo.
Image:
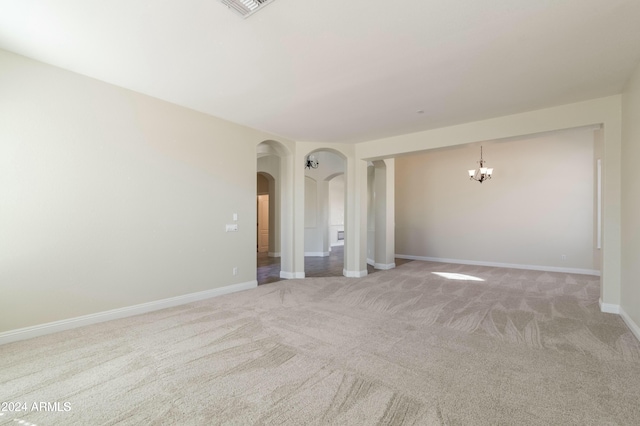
(324, 231)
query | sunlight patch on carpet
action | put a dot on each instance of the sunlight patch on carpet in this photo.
(455, 276)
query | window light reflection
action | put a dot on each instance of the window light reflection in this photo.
(455, 276)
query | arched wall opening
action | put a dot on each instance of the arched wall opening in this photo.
(275, 164)
(324, 206)
(266, 213)
(603, 112)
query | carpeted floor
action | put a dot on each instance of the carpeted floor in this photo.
(480, 346)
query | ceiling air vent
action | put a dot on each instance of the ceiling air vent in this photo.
(245, 8)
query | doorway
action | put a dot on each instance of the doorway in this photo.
(263, 223)
(267, 214)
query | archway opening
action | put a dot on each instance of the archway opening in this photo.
(324, 214)
(273, 199)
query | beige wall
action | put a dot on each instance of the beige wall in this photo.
(537, 208)
(630, 302)
(110, 198)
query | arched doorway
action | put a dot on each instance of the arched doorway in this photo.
(324, 212)
(274, 247)
(268, 256)
(266, 226)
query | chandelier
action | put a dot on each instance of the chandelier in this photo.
(482, 173)
(311, 162)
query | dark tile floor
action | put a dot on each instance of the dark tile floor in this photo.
(329, 266)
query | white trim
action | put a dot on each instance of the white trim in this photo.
(316, 253)
(291, 275)
(274, 254)
(609, 308)
(128, 311)
(354, 274)
(384, 266)
(338, 244)
(635, 329)
(503, 265)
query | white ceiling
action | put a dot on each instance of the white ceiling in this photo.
(336, 70)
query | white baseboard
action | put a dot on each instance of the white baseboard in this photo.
(316, 253)
(608, 308)
(273, 254)
(338, 244)
(384, 266)
(291, 275)
(503, 265)
(68, 324)
(354, 274)
(635, 329)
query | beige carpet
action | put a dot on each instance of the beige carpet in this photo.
(404, 346)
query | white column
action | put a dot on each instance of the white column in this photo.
(611, 216)
(355, 251)
(371, 215)
(384, 187)
(291, 236)
(274, 213)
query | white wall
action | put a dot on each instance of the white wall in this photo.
(314, 225)
(630, 300)
(109, 198)
(336, 209)
(537, 208)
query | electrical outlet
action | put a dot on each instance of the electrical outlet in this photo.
(564, 257)
(232, 228)
(235, 270)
